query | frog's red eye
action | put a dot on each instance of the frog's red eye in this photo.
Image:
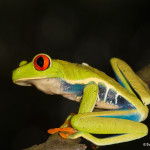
(41, 62)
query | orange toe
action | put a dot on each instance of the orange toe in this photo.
(52, 131)
(70, 130)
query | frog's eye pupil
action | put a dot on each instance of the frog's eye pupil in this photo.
(41, 62)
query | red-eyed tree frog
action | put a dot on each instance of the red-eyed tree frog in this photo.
(122, 105)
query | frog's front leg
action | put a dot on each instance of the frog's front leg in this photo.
(90, 94)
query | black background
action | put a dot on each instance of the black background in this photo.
(78, 31)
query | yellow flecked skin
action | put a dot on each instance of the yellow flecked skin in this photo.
(124, 122)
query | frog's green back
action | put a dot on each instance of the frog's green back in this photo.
(73, 71)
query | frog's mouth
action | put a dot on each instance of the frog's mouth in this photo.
(23, 82)
(27, 82)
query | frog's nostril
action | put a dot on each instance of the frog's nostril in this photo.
(22, 63)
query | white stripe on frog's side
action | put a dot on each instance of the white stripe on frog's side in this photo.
(116, 101)
(105, 105)
(107, 89)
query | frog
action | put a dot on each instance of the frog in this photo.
(120, 104)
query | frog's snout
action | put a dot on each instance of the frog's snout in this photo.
(22, 63)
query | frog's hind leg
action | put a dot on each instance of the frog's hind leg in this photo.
(104, 123)
(132, 82)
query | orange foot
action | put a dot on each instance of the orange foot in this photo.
(68, 130)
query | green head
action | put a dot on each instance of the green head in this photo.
(41, 67)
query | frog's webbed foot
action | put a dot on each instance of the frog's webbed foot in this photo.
(63, 132)
(65, 129)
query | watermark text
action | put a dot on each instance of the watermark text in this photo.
(146, 144)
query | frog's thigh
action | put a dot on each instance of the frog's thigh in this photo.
(128, 130)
